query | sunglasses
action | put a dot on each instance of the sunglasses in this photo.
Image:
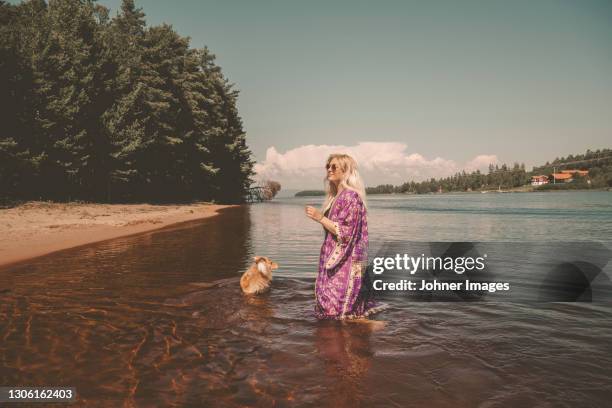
(331, 166)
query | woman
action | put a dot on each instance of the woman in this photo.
(340, 289)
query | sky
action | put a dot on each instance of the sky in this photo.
(412, 89)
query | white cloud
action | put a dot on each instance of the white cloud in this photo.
(481, 162)
(379, 163)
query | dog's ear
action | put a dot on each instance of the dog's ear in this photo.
(274, 265)
(257, 259)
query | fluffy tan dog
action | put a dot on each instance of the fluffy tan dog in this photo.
(258, 277)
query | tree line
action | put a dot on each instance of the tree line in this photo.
(599, 164)
(497, 177)
(108, 109)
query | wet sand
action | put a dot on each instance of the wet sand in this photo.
(39, 228)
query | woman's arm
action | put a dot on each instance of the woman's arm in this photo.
(329, 225)
(316, 215)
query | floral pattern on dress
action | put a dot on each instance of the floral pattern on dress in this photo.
(339, 289)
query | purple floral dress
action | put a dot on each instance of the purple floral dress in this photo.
(343, 261)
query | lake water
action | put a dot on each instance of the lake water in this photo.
(158, 319)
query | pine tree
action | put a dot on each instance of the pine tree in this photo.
(198, 172)
(228, 148)
(160, 161)
(124, 121)
(65, 85)
(23, 32)
(13, 79)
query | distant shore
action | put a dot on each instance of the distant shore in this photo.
(510, 190)
(521, 189)
(38, 228)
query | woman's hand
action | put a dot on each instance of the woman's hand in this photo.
(313, 213)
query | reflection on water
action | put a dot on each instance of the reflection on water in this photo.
(346, 353)
(159, 320)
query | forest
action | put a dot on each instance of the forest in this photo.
(108, 109)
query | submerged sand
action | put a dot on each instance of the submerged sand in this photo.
(38, 228)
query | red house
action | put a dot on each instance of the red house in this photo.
(562, 177)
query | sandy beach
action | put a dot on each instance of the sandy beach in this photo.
(38, 228)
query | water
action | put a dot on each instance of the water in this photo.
(158, 319)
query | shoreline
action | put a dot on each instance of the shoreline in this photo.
(515, 190)
(37, 228)
(523, 189)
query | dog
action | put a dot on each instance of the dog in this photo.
(258, 277)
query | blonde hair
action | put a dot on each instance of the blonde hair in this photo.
(351, 180)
